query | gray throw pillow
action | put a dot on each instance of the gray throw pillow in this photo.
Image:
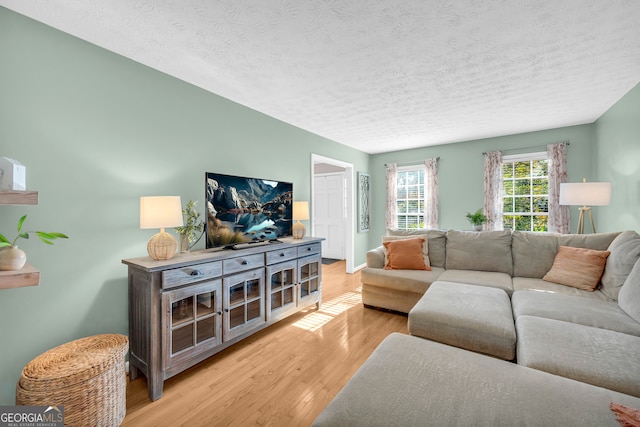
(629, 296)
(625, 251)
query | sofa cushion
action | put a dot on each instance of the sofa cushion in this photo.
(476, 318)
(482, 278)
(574, 309)
(534, 253)
(401, 280)
(408, 381)
(484, 251)
(629, 296)
(529, 284)
(424, 252)
(625, 251)
(577, 267)
(595, 356)
(436, 239)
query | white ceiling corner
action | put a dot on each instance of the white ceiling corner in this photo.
(380, 75)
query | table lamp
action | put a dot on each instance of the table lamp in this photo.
(585, 194)
(160, 212)
(300, 213)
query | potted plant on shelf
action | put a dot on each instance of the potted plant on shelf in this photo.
(13, 258)
(477, 219)
(192, 226)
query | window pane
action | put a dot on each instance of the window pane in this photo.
(523, 204)
(522, 169)
(402, 193)
(541, 204)
(508, 187)
(522, 186)
(412, 192)
(401, 206)
(523, 223)
(508, 204)
(507, 170)
(413, 206)
(412, 222)
(508, 222)
(401, 179)
(540, 186)
(402, 222)
(540, 223)
(540, 168)
(413, 178)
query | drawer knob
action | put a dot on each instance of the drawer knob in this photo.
(308, 249)
(196, 273)
(281, 253)
(244, 262)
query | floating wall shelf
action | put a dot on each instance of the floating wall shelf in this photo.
(27, 275)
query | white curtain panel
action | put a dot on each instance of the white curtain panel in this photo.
(391, 218)
(559, 216)
(431, 193)
(493, 203)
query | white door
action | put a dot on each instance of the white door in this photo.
(329, 213)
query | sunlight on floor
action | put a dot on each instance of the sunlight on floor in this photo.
(330, 309)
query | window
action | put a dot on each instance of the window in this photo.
(526, 192)
(410, 197)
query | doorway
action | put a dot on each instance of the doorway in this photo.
(332, 207)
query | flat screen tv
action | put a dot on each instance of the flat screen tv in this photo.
(241, 209)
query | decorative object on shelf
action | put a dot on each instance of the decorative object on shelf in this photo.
(585, 194)
(477, 219)
(13, 258)
(13, 175)
(160, 212)
(189, 231)
(364, 195)
(300, 213)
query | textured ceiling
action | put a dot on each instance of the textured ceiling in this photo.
(380, 75)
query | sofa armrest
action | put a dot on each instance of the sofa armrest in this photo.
(375, 258)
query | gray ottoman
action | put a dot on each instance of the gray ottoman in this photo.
(476, 318)
(409, 381)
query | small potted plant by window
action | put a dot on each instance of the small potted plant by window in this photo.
(477, 219)
(192, 226)
(13, 258)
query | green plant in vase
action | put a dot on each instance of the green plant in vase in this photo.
(477, 219)
(192, 230)
(14, 258)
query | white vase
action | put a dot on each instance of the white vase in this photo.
(184, 243)
(477, 227)
(12, 258)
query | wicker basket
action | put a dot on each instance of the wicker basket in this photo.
(86, 376)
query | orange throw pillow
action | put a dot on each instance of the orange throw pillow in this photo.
(577, 267)
(405, 254)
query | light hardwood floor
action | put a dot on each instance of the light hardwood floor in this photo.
(282, 376)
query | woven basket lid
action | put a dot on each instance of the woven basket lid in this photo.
(74, 362)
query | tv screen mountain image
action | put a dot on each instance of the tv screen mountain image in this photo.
(243, 209)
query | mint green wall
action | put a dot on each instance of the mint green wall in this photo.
(617, 158)
(96, 131)
(460, 171)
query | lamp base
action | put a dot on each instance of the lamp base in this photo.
(162, 245)
(298, 230)
(581, 220)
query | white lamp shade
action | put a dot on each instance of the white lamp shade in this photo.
(300, 211)
(585, 193)
(160, 212)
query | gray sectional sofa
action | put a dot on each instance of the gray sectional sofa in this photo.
(567, 353)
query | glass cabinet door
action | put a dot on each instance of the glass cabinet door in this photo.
(309, 279)
(281, 289)
(192, 320)
(243, 302)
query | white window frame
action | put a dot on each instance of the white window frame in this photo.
(421, 200)
(541, 155)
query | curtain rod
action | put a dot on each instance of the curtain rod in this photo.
(411, 163)
(527, 148)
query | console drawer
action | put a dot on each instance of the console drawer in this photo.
(194, 273)
(281, 255)
(311, 248)
(242, 263)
